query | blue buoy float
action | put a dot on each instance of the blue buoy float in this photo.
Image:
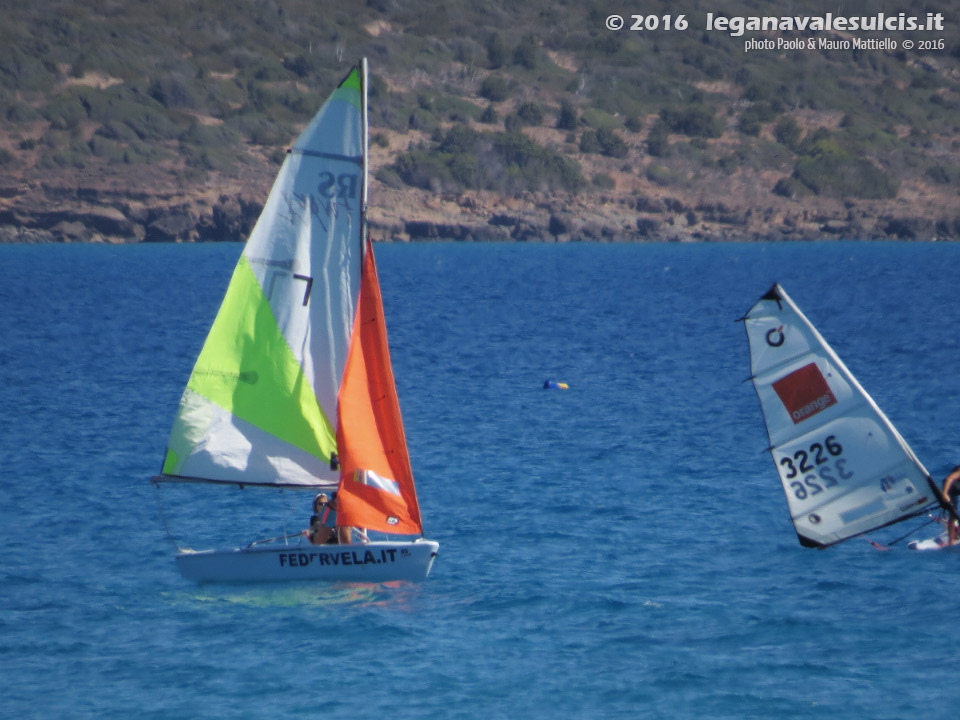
(553, 385)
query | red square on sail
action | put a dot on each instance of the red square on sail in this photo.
(804, 392)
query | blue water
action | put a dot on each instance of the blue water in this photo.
(617, 550)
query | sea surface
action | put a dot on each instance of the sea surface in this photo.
(620, 549)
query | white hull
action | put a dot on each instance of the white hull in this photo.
(935, 543)
(367, 562)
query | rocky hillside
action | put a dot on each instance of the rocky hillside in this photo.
(128, 121)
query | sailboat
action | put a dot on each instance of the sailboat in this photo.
(845, 469)
(293, 387)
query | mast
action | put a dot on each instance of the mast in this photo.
(366, 152)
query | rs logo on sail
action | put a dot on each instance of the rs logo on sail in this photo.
(339, 186)
(335, 194)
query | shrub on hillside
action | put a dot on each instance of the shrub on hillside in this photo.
(831, 171)
(567, 119)
(527, 54)
(210, 147)
(603, 142)
(658, 140)
(21, 113)
(530, 113)
(942, 175)
(464, 158)
(787, 132)
(611, 144)
(845, 176)
(21, 71)
(173, 91)
(64, 112)
(692, 122)
(749, 125)
(494, 88)
(790, 187)
(496, 51)
(589, 142)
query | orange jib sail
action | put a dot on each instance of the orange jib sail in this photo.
(376, 480)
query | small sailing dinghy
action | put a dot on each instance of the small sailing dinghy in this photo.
(293, 387)
(845, 469)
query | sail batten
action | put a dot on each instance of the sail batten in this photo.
(355, 159)
(844, 467)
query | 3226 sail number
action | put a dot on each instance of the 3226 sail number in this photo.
(818, 474)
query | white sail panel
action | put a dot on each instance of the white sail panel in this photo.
(307, 240)
(845, 469)
(223, 447)
(802, 395)
(305, 248)
(838, 488)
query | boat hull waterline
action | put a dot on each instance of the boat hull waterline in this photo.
(366, 562)
(940, 542)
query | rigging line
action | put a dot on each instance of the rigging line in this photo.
(156, 479)
(894, 542)
(291, 512)
(284, 516)
(879, 527)
(274, 539)
(943, 503)
(163, 517)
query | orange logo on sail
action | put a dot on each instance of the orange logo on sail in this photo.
(804, 392)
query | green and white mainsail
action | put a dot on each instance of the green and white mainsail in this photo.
(261, 402)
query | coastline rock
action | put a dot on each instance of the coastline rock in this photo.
(173, 227)
(46, 212)
(910, 228)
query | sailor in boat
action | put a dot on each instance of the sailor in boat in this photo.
(323, 529)
(951, 490)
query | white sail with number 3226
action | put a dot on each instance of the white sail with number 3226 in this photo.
(844, 467)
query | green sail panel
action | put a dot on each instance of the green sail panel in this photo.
(247, 368)
(249, 373)
(258, 405)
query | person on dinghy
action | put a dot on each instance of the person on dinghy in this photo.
(951, 491)
(320, 532)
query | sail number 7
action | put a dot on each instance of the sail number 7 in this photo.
(817, 469)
